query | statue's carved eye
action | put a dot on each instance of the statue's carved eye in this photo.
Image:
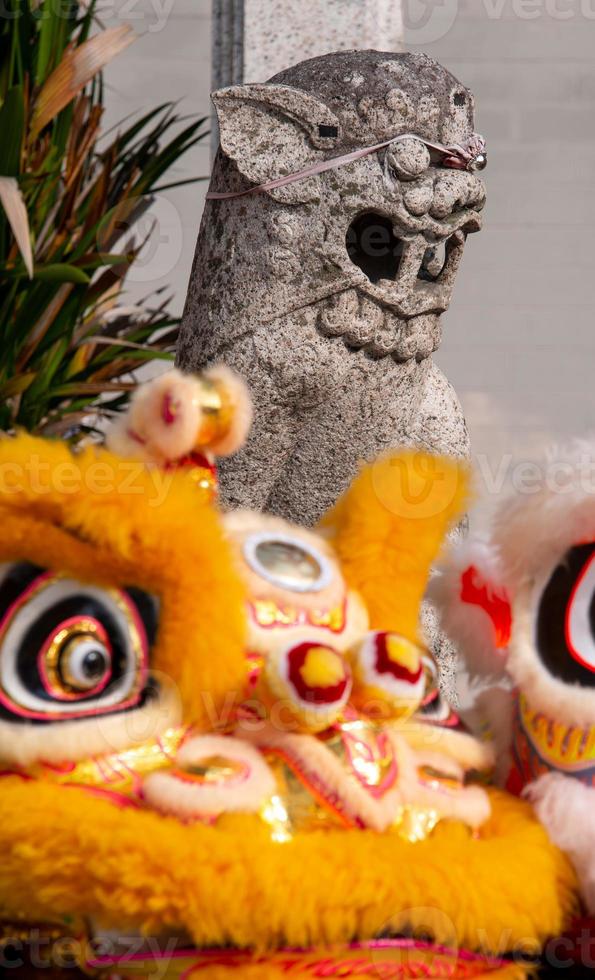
(287, 562)
(433, 262)
(70, 649)
(565, 620)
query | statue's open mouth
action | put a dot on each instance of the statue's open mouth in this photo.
(374, 247)
(413, 272)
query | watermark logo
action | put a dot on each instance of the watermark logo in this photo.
(150, 229)
(101, 477)
(426, 21)
(419, 487)
(153, 15)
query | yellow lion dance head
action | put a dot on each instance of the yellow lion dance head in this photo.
(149, 783)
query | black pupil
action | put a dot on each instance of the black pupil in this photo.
(93, 665)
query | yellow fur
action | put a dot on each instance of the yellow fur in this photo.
(69, 852)
(233, 884)
(110, 521)
(388, 529)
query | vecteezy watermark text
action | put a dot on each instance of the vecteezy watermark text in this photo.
(426, 21)
(528, 477)
(36, 476)
(155, 14)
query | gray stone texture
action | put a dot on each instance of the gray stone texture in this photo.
(330, 318)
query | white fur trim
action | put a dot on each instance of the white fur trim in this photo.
(191, 800)
(496, 707)
(465, 749)
(119, 441)
(565, 806)
(534, 530)
(237, 391)
(167, 442)
(469, 804)
(469, 626)
(24, 744)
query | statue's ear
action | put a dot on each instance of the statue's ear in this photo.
(272, 130)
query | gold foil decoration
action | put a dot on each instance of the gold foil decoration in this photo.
(436, 779)
(333, 619)
(217, 411)
(268, 613)
(294, 808)
(416, 823)
(203, 478)
(364, 749)
(211, 771)
(275, 814)
(119, 771)
(365, 755)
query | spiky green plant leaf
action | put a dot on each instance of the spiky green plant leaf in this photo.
(70, 343)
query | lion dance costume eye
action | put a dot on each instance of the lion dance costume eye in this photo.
(69, 649)
(390, 670)
(203, 713)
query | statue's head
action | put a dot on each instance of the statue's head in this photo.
(374, 242)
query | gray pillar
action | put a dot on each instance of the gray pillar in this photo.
(255, 39)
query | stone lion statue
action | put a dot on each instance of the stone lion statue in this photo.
(341, 198)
